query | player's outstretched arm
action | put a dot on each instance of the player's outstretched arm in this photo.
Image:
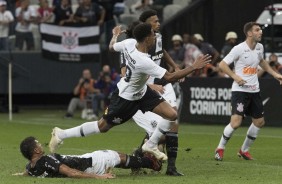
(73, 173)
(199, 63)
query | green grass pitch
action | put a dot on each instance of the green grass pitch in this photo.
(198, 165)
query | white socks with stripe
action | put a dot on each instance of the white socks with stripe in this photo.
(227, 133)
(82, 130)
(250, 138)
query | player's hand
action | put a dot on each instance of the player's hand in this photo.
(117, 30)
(240, 81)
(158, 88)
(201, 61)
(279, 78)
(107, 176)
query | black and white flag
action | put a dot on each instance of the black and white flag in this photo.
(73, 44)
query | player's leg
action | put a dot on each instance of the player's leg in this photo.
(153, 102)
(171, 142)
(147, 121)
(256, 111)
(118, 112)
(85, 129)
(239, 105)
(136, 162)
(235, 122)
(166, 111)
(171, 137)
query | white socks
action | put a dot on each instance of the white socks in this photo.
(250, 138)
(162, 127)
(227, 133)
(82, 130)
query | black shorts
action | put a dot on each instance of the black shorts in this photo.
(121, 110)
(247, 104)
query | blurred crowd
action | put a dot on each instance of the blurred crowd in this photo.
(92, 96)
(21, 18)
(186, 48)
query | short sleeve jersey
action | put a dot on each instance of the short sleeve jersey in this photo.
(246, 62)
(139, 67)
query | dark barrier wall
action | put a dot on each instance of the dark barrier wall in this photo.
(207, 100)
(33, 74)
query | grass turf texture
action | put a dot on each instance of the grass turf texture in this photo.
(198, 165)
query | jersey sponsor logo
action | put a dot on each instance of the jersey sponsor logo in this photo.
(249, 70)
(250, 87)
(157, 56)
(240, 107)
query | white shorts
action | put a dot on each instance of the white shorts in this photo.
(169, 95)
(149, 120)
(102, 161)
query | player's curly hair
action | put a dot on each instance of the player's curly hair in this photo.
(27, 146)
(142, 31)
(147, 14)
(129, 30)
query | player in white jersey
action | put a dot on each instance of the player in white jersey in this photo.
(246, 99)
(133, 94)
(149, 121)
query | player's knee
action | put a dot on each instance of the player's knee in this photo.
(173, 116)
(259, 123)
(103, 126)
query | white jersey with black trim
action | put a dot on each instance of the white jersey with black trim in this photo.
(139, 67)
(246, 62)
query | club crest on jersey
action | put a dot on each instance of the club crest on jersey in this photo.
(70, 40)
(240, 107)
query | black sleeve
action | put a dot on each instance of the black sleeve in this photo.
(46, 166)
(52, 164)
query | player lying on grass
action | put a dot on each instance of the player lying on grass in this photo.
(90, 165)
